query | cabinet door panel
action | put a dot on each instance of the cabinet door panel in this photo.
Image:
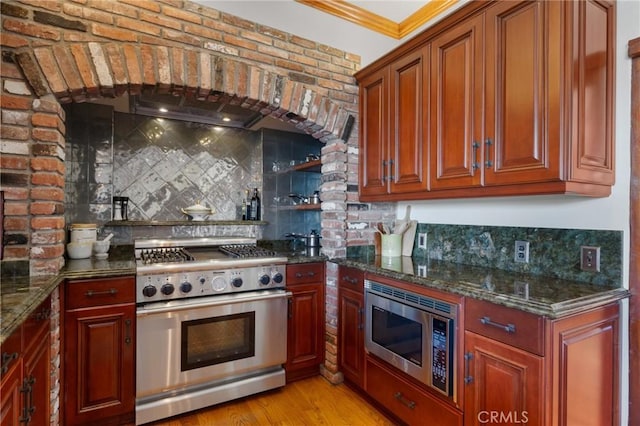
(408, 150)
(100, 347)
(351, 344)
(305, 329)
(592, 91)
(586, 383)
(10, 395)
(37, 373)
(456, 106)
(506, 382)
(519, 95)
(373, 133)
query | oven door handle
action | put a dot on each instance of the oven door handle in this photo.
(180, 305)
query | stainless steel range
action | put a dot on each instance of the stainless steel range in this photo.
(211, 323)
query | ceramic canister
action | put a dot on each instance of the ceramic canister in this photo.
(83, 232)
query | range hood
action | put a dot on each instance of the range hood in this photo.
(218, 113)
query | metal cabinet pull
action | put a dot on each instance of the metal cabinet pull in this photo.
(390, 177)
(27, 399)
(509, 328)
(127, 337)
(487, 145)
(405, 401)
(384, 170)
(475, 146)
(91, 293)
(468, 378)
(308, 274)
(7, 358)
(350, 280)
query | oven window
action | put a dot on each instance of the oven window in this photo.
(216, 340)
(398, 334)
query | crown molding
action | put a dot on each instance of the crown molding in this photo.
(360, 16)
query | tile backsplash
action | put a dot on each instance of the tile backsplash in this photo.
(552, 252)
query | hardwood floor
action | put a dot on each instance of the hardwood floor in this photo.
(307, 402)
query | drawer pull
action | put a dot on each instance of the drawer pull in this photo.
(308, 274)
(350, 280)
(7, 358)
(400, 397)
(91, 293)
(509, 328)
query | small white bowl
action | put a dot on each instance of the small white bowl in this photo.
(79, 250)
(101, 247)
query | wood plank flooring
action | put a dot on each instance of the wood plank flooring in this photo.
(308, 402)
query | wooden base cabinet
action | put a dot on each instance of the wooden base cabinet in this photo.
(351, 355)
(26, 371)
(525, 369)
(99, 351)
(305, 329)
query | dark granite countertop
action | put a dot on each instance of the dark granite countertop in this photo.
(20, 295)
(550, 297)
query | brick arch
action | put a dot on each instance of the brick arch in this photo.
(78, 72)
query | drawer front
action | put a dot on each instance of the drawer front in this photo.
(100, 292)
(303, 273)
(406, 401)
(351, 278)
(515, 328)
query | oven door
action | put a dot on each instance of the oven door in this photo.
(189, 343)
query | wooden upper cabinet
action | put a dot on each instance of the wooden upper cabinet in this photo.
(519, 101)
(374, 132)
(456, 106)
(521, 143)
(409, 99)
(393, 108)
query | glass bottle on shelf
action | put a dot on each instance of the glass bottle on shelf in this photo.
(255, 205)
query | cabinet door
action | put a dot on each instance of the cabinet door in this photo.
(456, 106)
(374, 136)
(10, 395)
(521, 143)
(503, 384)
(586, 378)
(37, 377)
(100, 349)
(305, 332)
(408, 94)
(351, 340)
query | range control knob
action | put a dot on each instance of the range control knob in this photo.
(167, 289)
(186, 287)
(236, 282)
(264, 280)
(277, 278)
(149, 291)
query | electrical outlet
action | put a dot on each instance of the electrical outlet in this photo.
(522, 252)
(590, 258)
(422, 270)
(422, 240)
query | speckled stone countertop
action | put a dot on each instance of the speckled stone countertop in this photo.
(540, 295)
(19, 296)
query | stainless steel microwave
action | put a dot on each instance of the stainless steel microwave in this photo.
(412, 332)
